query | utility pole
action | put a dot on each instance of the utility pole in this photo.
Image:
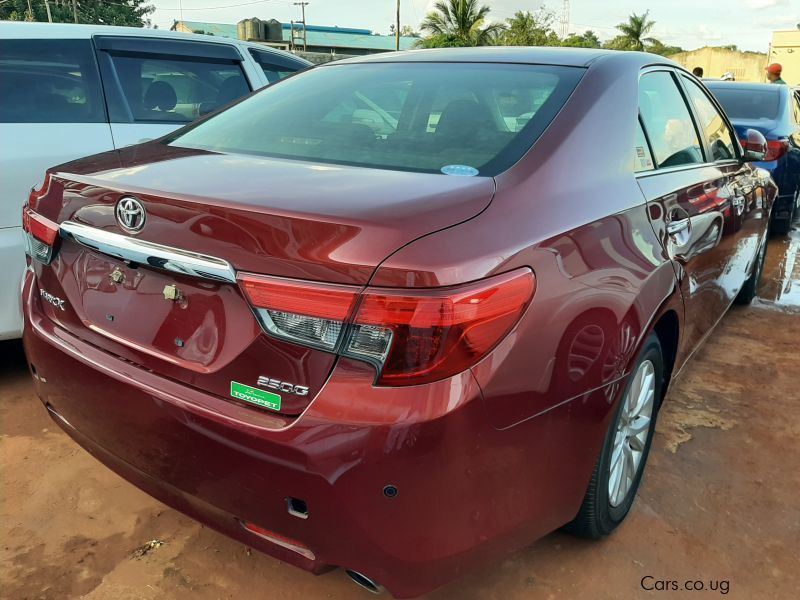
(75, 10)
(49, 16)
(302, 6)
(397, 28)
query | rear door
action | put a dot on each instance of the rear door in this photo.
(693, 205)
(51, 111)
(155, 85)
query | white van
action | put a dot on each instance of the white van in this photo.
(67, 91)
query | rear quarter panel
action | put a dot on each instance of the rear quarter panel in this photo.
(571, 211)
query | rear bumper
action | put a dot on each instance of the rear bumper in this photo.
(467, 493)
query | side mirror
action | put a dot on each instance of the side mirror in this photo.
(754, 145)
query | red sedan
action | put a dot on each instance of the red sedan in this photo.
(401, 314)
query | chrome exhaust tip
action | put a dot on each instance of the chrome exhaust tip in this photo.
(364, 581)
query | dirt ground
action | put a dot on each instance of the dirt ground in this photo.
(719, 504)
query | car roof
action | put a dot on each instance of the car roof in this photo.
(544, 55)
(56, 31)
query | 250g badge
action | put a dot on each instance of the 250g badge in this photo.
(282, 386)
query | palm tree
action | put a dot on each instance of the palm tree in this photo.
(635, 30)
(459, 23)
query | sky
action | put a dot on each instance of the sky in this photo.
(686, 23)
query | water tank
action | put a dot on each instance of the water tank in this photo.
(273, 31)
(250, 29)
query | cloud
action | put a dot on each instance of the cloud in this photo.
(707, 34)
(777, 22)
(762, 4)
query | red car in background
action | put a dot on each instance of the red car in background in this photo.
(400, 314)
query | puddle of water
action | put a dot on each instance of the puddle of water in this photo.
(780, 284)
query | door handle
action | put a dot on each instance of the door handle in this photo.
(675, 227)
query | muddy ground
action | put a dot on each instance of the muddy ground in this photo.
(720, 503)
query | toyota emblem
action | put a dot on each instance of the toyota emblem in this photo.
(131, 215)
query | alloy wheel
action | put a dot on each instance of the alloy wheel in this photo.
(633, 427)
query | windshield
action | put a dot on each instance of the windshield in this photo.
(748, 103)
(454, 118)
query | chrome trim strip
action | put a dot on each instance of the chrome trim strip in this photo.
(151, 254)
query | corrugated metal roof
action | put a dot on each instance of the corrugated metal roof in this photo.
(219, 29)
(316, 35)
(347, 40)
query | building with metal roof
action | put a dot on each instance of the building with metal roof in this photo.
(318, 38)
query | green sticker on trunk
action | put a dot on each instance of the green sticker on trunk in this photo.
(255, 396)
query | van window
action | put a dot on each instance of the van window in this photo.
(176, 90)
(49, 81)
(276, 67)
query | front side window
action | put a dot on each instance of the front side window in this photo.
(712, 123)
(158, 89)
(668, 122)
(459, 118)
(49, 81)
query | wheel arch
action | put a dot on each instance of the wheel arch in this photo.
(667, 328)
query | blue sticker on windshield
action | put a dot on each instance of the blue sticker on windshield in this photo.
(462, 170)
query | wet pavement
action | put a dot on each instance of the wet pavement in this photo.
(719, 504)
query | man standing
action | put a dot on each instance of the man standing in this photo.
(774, 73)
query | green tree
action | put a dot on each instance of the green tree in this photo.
(587, 39)
(634, 32)
(132, 13)
(658, 47)
(619, 42)
(458, 23)
(405, 30)
(530, 29)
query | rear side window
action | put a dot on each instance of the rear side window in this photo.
(49, 81)
(668, 121)
(176, 89)
(745, 103)
(642, 158)
(276, 67)
(457, 118)
(712, 124)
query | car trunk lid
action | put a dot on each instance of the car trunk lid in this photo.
(166, 297)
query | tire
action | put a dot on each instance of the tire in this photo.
(783, 227)
(603, 510)
(750, 287)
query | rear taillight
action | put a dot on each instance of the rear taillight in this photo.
(775, 149)
(412, 336)
(41, 235)
(307, 313)
(40, 232)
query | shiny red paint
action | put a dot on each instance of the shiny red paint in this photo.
(485, 461)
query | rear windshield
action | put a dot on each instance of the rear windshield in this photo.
(454, 118)
(748, 104)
